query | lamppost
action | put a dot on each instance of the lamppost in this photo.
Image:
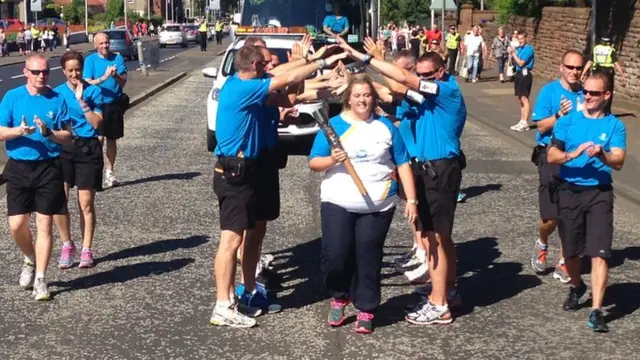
(86, 17)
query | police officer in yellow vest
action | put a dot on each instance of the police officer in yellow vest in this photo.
(453, 45)
(204, 34)
(219, 26)
(605, 60)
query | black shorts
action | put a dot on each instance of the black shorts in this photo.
(35, 186)
(112, 126)
(548, 175)
(438, 198)
(82, 163)
(267, 187)
(234, 185)
(522, 84)
(585, 220)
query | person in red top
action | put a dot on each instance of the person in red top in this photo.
(434, 34)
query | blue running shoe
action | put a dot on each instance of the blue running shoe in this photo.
(461, 197)
(258, 300)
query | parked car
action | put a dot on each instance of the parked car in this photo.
(192, 32)
(122, 41)
(173, 34)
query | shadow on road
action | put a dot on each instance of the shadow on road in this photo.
(474, 191)
(177, 176)
(301, 265)
(121, 274)
(154, 248)
(625, 298)
(485, 282)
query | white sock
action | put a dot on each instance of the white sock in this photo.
(30, 259)
(66, 243)
(86, 249)
(223, 304)
(421, 254)
(561, 262)
(39, 276)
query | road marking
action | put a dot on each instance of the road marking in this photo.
(56, 68)
(17, 76)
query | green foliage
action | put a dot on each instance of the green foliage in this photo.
(157, 20)
(74, 12)
(113, 10)
(398, 11)
(530, 8)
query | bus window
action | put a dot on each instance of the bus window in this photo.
(309, 13)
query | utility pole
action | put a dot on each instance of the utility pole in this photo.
(594, 27)
(444, 2)
(375, 19)
(86, 17)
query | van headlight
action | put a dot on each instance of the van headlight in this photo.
(215, 94)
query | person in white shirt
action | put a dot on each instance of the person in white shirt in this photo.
(355, 226)
(474, 47)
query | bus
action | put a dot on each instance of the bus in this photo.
(308, 13)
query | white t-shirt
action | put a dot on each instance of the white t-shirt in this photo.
(473, 43)
(374, 147)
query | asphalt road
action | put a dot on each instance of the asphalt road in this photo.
(151, 295)
(12, 75)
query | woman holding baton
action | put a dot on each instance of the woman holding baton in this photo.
(355, 226)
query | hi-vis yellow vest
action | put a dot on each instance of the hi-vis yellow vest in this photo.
(204, 27)
(219, 26)
(603, 55)
(453, 41)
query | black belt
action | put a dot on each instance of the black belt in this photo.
(227, 159)
(582, 188)
(35, 162)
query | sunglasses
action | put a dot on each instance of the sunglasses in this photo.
(427, 75)
(38, 72)
(570, 67)
(593, 92)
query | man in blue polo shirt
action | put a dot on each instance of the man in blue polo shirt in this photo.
(109, 72)
(240, 110)
(336, 24)
(588, 145)
(33, 122)
(556, 99)
(524, 59)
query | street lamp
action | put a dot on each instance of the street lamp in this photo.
(86, 17)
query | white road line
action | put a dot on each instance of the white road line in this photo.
(56, 68)
(17, 76)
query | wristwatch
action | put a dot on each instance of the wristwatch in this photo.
(412, 201)
(47, 132)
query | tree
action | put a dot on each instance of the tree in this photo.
(113, 10)
(398, 11)
(74, 12)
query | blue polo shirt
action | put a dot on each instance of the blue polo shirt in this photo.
(336, 25)
(49, 107)
(407, 114)
(526, 54)
(92, 95)
(548, 104)
(94, 67)
(575, 129)
(269, 126)
(441, 120)
(240, 110)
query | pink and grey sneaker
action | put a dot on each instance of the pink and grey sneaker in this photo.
(67, 254)
(86, 259)
(364, 323)
(336, 313)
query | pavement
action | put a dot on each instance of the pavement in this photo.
(151, 294)
(494, 104)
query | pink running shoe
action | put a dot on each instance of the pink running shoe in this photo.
(336, 313)
(67, 254)
(364, 323)
(86, 259)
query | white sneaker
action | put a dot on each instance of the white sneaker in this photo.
(40, 290)
(520, 126)
(27, 273)
(230, 316)
(429, 314)
(417, 273)
(110, 179)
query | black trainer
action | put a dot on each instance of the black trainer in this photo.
(572, 303)
(596, 322)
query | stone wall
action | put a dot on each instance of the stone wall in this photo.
(560, 29)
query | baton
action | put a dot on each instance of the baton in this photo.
(334, 140)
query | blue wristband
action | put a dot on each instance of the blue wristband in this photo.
(367, 59)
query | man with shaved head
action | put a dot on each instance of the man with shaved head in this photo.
(109, 72)
(33, 123)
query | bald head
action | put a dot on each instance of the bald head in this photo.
(101, 43)
(36, 70)
(35, 59)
